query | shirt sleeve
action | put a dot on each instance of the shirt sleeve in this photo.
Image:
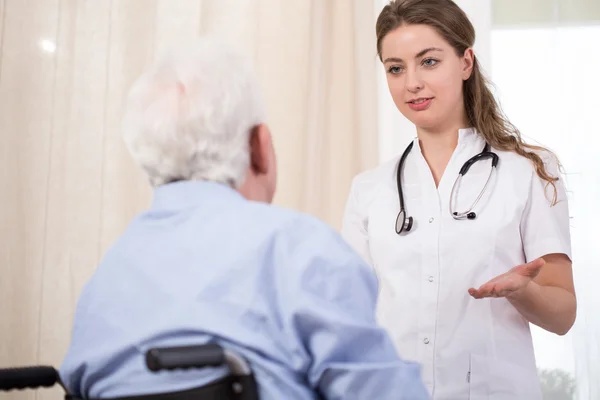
(331, 315)
(545, 228)
(354, 226)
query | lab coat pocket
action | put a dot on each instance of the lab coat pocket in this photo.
(494, 379)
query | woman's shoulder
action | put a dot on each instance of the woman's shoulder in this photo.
(367, 184)
(380, 173)
(524, 166)
(523, 174)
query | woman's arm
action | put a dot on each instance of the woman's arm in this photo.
(548, 300)
(542, 291)
(546, 294)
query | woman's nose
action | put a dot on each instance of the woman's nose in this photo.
(413, 82)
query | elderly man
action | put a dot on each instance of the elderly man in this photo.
(213, 261)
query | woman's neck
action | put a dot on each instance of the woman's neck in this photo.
(437, 147)
(437, 142)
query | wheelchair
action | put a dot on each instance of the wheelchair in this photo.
(240, 384)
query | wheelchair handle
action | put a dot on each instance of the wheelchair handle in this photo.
(28, 378)
(185, 357)
(202, 356)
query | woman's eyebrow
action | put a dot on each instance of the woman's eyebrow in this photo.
(419, 55)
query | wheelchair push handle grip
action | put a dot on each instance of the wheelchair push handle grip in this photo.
(185, 357)
(28, 378)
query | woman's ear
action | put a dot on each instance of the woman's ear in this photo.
(468, 62)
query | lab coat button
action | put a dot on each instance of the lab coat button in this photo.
(431, 220)
(431, 279)
(426, 341)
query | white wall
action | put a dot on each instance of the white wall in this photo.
(570, 128)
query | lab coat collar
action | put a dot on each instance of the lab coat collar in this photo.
(465, 136)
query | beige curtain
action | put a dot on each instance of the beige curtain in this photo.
(67, 185)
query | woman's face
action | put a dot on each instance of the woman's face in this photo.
(425, 76)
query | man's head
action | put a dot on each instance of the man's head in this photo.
(198, 114)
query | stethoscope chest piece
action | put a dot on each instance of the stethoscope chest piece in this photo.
(403, 224)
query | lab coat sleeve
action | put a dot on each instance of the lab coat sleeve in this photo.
(354, 224)
(545, 228)
(347, 355)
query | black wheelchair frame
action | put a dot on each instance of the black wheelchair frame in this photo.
(239, 385)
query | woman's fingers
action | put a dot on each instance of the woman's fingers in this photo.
(475, 293)
(532, 269)
(486, 290)
(505, 284)
(493, 289)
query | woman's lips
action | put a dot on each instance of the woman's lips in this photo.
(420, 104)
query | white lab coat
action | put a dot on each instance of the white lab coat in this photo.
(468, 348)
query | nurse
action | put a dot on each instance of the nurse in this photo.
(465, 265)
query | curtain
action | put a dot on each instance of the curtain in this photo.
(67, 185)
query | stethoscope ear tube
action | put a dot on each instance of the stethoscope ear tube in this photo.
(470, 214)
(404, 223)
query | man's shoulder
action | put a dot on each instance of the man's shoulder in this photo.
(286, 220)
(313, 246)
(300, 234)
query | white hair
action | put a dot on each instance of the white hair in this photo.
(190, 115)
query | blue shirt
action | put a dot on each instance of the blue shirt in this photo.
(279, 287)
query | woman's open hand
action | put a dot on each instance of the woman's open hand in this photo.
(511, 283)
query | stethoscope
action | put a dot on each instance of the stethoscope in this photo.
(405, 224)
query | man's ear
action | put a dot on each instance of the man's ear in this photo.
(259, 149)
(468, 63)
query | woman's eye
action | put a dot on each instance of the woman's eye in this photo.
(394, 70)
(429, 62)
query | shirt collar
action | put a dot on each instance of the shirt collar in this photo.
(465, 136)
(182, 194)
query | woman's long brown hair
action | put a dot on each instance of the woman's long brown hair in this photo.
(482, 109)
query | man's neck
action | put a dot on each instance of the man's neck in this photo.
(253, 191)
